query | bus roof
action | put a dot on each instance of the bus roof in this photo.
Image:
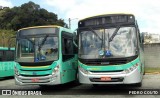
(47, 26)
(40, 27)
(68, 30)
(109, 14)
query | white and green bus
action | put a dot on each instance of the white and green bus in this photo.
(6, 62)
(45, 55)
(110, 50)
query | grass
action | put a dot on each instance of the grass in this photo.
(152, 70)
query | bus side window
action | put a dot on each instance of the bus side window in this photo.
(1, 55)
(9, 55)
(66, 44)
(67, 48)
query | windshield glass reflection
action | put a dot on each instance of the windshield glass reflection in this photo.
(104, 43)
(36, 49)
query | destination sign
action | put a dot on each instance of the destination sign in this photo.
(106, 20)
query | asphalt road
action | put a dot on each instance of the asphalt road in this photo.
(72, 90)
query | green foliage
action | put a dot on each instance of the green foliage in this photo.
(147, 38)
(28, 14)
(5, 38)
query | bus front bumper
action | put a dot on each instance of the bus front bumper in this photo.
(41, 80)
(115, 77)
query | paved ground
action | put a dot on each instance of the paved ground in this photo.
(72, 90)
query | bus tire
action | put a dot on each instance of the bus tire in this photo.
(76, 81)
(95, 85)
(138, 84)
(42, 86)
(77, 78)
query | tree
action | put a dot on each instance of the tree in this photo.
(28, 14)
(147, 38)
(5, 36)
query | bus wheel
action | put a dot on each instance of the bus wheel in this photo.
(43, 86)
(138, 84)
(95, 85)
(77, 79)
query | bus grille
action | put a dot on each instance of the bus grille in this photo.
(36, 79)
(109, 62)
(36, 69)
(34, 75)
(106, 71)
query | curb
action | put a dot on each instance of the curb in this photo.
(150, 73)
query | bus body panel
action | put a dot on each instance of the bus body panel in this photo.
(97, 72)
(119, 78)
(7, 68)
(68, 72)
(43, 74)
(6, 64)
(109, 67)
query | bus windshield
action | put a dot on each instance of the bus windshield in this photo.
(37, 48)
(107, 43)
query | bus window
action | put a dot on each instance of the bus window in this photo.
(1, 55)
(67, 48)
(9, 55)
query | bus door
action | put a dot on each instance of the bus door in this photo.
(68, 59)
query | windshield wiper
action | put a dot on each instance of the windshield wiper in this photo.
(43, 41)
(103, 42)
(40, 56)
(114, 34)
(102, 39)
(94, 32)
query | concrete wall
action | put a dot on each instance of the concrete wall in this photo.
(152, 55)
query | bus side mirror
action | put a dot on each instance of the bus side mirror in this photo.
(142, 37)
(75, 38)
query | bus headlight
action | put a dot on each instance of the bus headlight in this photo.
(131, 68)
(55, 70)
(83, 70)
(16, 71)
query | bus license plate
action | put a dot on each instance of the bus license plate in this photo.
(105, 78)
(35, 79)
